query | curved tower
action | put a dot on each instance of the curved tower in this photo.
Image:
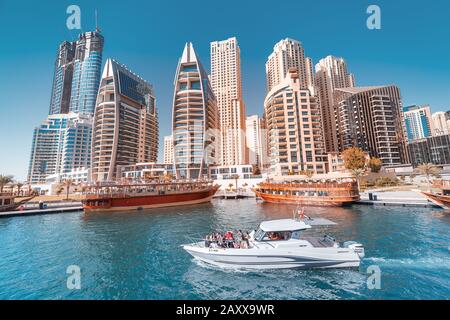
(194, 118)
(87, 68)
(125, 129)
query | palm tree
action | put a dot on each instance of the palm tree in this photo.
(4, 180)
(67, 184)
(428, 170)
(236, 178)
(19, 186)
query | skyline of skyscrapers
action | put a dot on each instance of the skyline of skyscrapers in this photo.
(308, 111)
(227, 87)
(125, 129)
(195, 119)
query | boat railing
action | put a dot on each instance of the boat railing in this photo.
(127, 191)
(6, 194)
(195, 241)
(307, 185)
(441, 184)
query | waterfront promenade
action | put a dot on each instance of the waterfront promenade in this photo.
(384, 198)
(31, 209)
(396, 198)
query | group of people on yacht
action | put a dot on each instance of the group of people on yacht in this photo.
(237, 240)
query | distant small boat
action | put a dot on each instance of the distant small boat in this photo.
(8, 202)
(441, 198)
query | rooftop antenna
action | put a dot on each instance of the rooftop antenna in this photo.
(97, 29)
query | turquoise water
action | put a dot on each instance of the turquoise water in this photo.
(138, 255)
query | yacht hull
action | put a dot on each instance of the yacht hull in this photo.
(268, 259)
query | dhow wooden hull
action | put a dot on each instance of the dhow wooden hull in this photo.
(440, 200)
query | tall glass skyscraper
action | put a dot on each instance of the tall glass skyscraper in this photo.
(195, 118)
(86, 72)
(62, 79)
(77, 74)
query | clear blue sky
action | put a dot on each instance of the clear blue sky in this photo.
(412, 50)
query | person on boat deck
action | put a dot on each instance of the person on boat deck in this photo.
(229, 239)
(246, 237)
(208, 240)
(243, 244)
(275, 236)
(219, 239)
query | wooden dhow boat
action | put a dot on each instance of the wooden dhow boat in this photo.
(8, 202)
(442, 197)
(333, 193)
(135, 197)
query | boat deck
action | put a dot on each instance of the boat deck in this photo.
(318, 242)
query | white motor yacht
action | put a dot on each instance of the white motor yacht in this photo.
(278, 244)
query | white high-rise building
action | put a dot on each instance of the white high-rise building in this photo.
(256, 141)
(168, 150)
(440, 124)
(194, 118)
(331, 74)
(227, 86)
(287, 54)
(61, 144)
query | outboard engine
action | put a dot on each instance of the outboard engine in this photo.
(358, 248)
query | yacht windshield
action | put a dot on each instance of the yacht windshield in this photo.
(277, 236)
(259, 235)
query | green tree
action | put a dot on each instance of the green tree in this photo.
(375, 164)
(4, 180)
(355, 161)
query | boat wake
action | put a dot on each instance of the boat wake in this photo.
(419, 263)
(213, 282)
